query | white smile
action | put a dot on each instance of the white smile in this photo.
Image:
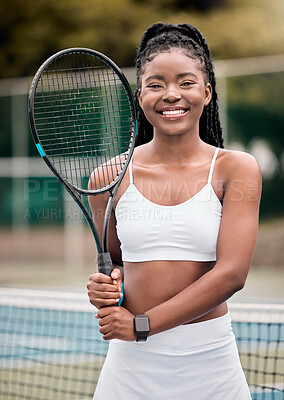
(173, 112)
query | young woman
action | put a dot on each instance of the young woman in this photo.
(182, 235)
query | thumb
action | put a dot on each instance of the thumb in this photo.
(116, 275)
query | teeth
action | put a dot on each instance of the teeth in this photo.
(173, 112)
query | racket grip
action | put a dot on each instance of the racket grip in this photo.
(104, 263)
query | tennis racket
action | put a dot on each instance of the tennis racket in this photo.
(82, 119)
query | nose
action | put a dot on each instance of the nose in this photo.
(172, 94)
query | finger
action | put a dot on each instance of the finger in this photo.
(102, 286)
(99, 303)
(94, 287)
(105, 325)
(108, 336)
(116, 275)
(94, 295)
(105, 330)
(98, 284)
(104, 312)
(100, 278)
(104, 322)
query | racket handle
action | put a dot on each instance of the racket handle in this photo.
(105, 263)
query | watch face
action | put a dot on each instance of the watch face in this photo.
(142, 324)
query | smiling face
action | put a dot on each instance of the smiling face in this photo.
(173, 92)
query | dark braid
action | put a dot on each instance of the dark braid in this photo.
(160, 38)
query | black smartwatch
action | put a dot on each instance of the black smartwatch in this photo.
(141, 327)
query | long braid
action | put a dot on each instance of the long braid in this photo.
(161, 37)
(145, 129)
(209, 126)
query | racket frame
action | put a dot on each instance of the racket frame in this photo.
(103, 257)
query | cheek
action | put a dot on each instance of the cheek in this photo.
(149, 114)
(146, 102)
(199, 99)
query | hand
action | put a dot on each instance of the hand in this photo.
(116, 323)
(105, 290)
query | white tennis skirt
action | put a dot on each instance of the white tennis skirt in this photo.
(196, 361)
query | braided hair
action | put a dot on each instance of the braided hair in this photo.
(160, 38)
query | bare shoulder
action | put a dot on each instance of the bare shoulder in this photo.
(239, 164)
(242, 177)
(101, 180)
(106, 173)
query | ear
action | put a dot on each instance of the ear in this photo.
(140, 97)
(208, 94)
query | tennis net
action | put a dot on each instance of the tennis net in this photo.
(51, 348)
(259, 331)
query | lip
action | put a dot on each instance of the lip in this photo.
(172, 113)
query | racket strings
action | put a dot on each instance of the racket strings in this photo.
(112, 102)
(84, 120)
(83, 138)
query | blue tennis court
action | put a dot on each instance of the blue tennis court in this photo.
(51, 347)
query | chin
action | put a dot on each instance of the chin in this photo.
(174, 132)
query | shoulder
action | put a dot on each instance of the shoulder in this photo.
(101, 181)
(105, 174)
(242, 175)
(238, 164)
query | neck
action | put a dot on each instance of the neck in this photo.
(173, 149)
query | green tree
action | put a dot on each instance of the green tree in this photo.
(32, 30)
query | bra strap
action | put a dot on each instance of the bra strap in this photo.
(212, 165)
(130, 171)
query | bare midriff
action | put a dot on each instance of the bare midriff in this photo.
(148, 284)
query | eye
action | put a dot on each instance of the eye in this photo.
(154, 85)
(187, 83)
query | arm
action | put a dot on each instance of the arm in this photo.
(235, 248)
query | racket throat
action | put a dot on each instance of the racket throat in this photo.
(107, 217)
(104, 259)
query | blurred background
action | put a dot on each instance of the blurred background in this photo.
(44, 241)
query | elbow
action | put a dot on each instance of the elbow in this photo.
(237, 281)
(234, 277)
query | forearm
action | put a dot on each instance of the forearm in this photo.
(202, 296)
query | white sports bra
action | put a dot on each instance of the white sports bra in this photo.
(187, 231)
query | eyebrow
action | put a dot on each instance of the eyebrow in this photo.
(161, 77)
